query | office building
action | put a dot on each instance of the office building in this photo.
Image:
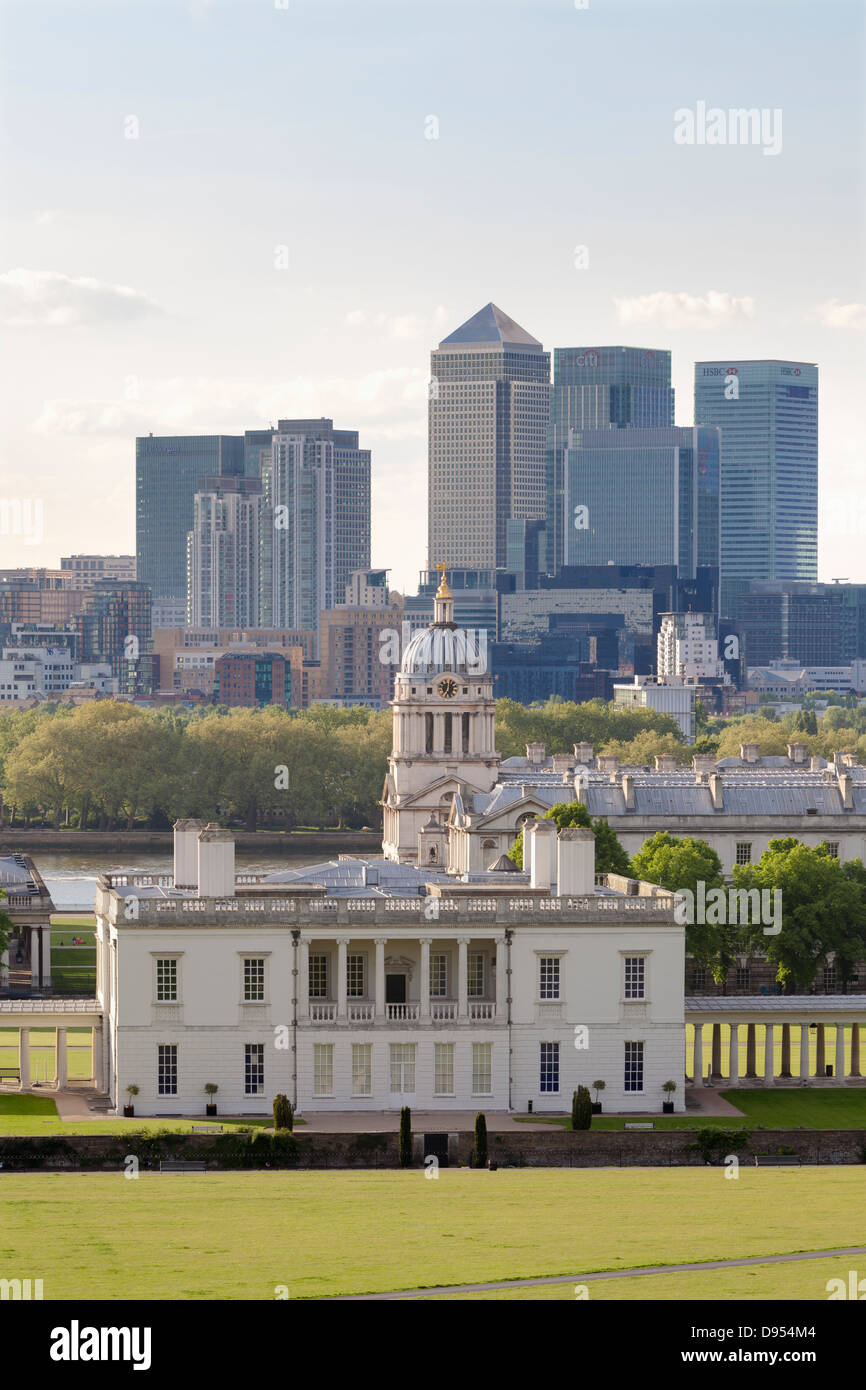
(598, 388)
(89, 570)
(252, 679)
(643, 496)
(488, 417)
(223, 553)
(649, 692)
(809, 624)
(768, 412)
(168, 472)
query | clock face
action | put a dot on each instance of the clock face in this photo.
(447, 688)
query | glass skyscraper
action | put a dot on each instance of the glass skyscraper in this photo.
(600, 388)
(768, 413)
(168, 470)
(488, 418)
(640, 496)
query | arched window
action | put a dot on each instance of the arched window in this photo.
(428, 733)
(466, 733)
(447, 743)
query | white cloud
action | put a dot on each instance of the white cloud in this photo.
(836, 315)
(683, 310)
(400, 328)
(389, 404)
(47, 298)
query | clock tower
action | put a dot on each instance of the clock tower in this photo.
(443, 735)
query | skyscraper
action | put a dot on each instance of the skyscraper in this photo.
(488, 418)
(600, 388)
(315, 519)
(223, 554)
(768, 411)
(643, 497)
(168, 470)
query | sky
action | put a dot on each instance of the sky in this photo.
(216, 213)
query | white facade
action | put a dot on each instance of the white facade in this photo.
(687, 648)
(677, 700)
(389, 1000)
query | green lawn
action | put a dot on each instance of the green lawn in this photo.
(809, 1108)
(179, 1237)
(37, 1115)
(42, 1050)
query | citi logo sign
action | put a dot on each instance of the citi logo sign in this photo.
(588, 358)
(77, 1343)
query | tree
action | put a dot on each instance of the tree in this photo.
(479, 1151)
(610, 857)
(406, 1137)
(681, 864)
(284, 1112)
(581, 1108)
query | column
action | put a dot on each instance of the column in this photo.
(96, 1055)
(734, 1055)
(805, 1070)
(717, 1050)
(855, 1050)
(342, 977)
(699, 1054)
(501, 978)
(425, 977)
(820, 1060)
(60, 1059)
(462, 976)
(303, 983)
(769, 1054)
(24, 1057)
(751, 1052)
(785, 1069)
(839, 1069)
(380, 976)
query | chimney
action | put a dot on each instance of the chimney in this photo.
(535, 753)
(837, 759)
(815, 764)
(563, 762)
(541, 835)
(846, 790)
(716, 793)
(608, 762)
(749, 752)
(186, 852)
(797, 752)
(583, 753)
(216, 863)
(628, 790)
(666, 762)
(850, 759)
(575, 863)
(703, 763)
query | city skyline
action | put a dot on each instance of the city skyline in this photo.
(194, 270)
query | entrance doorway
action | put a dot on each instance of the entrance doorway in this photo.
(395, 989)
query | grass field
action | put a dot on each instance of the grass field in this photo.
(180, 1236)
(809, 1108)
(73, 968)
(37, 1115)
(829, 1049)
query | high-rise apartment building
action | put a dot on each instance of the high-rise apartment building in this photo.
(641, 496)
(688, 648)
(168, 471)
(488, 419)
(598, 388)
(315, 518)
(768, 412)
(223, 554)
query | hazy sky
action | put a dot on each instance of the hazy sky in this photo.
(282, 237)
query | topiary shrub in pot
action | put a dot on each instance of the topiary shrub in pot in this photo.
(210, 1089)
(668, 1105)
(598, 1087)
(129, 1109)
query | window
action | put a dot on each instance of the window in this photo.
(403, 1067)
(633, 1080)
(167, 1069)
(699, 977)
(744, 977)
(549, 1074)
(443, 1069)
(635, 981)
(476, 975)
(355, 976)
(482, 1069)
(318, 977)
(832, 848)
(254, 1069)
(166, 981)
(323, 1069)
(829, 978)
(362, 1069)
(548, 981)
(438, 976)
(744, 852)
(254, 980)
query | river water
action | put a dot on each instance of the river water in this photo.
(71, 878)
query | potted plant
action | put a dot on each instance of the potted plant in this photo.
(211, 1089)
(667, 1105)
(129, 1110)
(598, 1087)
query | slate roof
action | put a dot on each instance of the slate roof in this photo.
(490, 325)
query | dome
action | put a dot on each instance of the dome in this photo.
(438, 649)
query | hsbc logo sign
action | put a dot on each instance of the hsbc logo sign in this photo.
(790, 371)
(720, 371)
